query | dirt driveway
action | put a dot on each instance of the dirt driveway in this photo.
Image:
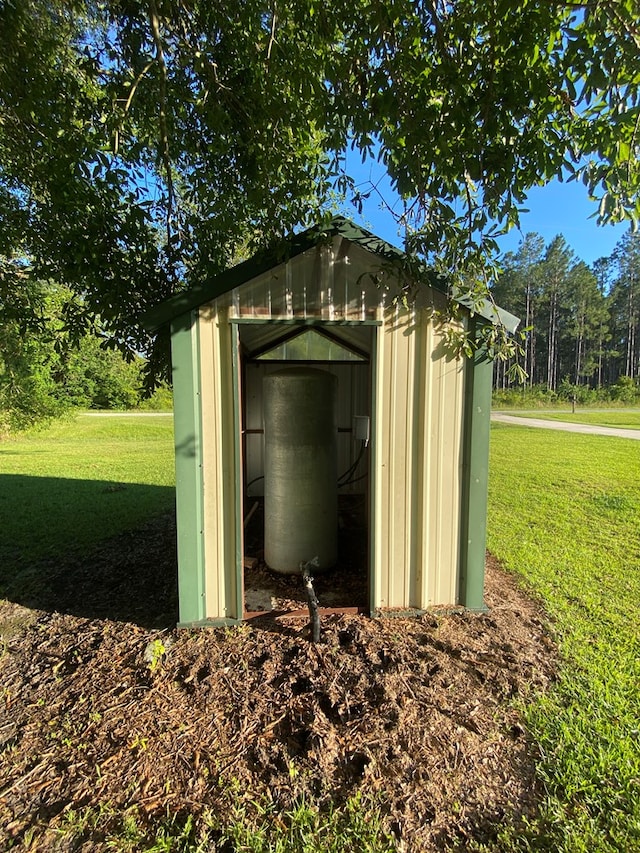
(591, 429)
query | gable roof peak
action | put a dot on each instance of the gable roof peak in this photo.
(289, 248)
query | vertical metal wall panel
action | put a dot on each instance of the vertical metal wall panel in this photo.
(238, 464)
(418, 444)
(353, 399)
(254, 441)
(386, 449)
(443, 461)
(379, 471)
(477, 417)
(230, 462)
(424, 442)
(395, 435)
(404, 418)
(212, 476)
(188, 446)
(220, 445)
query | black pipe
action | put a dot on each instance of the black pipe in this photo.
(312, 599)
(352, 469)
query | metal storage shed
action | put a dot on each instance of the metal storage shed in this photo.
(426, 474)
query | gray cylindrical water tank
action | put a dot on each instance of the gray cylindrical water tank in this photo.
(300, 473)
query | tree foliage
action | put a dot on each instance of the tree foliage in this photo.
(142, 142)
(44, 371)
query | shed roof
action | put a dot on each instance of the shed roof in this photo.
(266, 260)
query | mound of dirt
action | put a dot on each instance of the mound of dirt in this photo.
(99, 707)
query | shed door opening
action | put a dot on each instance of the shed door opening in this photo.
(269, 352)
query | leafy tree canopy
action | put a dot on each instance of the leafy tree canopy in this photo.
(143, 144)
(44, 371)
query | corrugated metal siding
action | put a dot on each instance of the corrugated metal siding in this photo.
(261, 335)
(419, 426)
(442, 427)
(223, 598)
(335, 281)
(185, 357)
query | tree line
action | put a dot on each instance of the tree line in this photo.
(581, 323)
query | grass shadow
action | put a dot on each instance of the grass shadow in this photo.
(91, 548)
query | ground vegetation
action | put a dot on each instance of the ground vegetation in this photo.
(563, 515)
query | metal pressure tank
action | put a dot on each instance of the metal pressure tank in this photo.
(300, 472)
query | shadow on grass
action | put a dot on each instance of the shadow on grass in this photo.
(89, 548)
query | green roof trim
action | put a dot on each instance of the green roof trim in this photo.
(488, 310)
(296, 245)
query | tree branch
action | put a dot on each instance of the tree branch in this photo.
(627, 26)
(135, 85)
(128, 102)
(634, 137)
(272, 37)
(164, 134)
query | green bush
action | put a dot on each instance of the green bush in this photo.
(45, 371)
(160, 401)
(27, 386)
(525, 397)
(581, 394)
(626, 390)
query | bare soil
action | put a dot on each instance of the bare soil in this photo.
(105, 704)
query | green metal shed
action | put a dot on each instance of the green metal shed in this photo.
(320, 300)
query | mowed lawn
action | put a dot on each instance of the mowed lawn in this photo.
(564, 514)
(80, 480)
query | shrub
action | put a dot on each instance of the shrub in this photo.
(626, 390)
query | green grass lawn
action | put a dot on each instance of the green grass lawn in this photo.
(81, 480)
(624, 418)
(564, 514)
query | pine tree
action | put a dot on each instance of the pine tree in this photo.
(625, 296)
(555, 267)
(586, 315)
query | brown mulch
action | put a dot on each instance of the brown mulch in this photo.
(419, 713)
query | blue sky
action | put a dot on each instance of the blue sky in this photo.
(565, 209)
(558, 208)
